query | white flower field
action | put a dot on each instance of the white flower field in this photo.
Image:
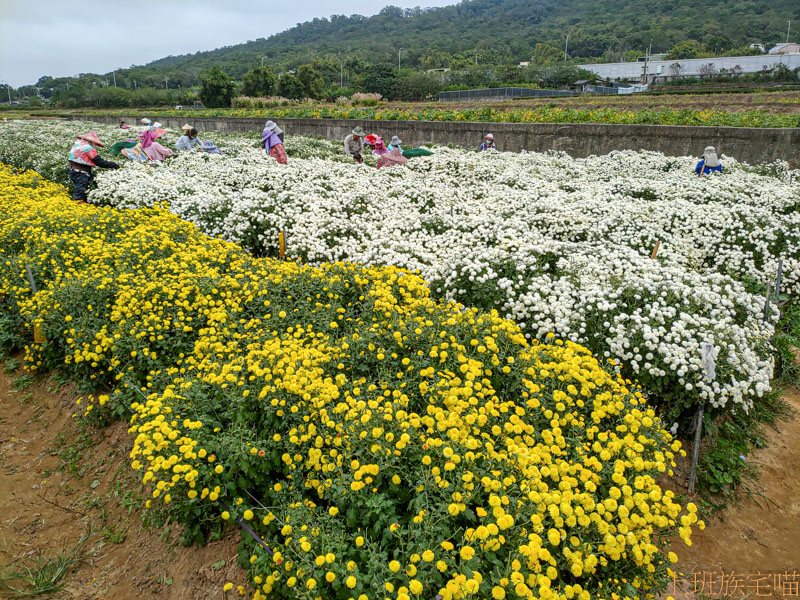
(560, 245)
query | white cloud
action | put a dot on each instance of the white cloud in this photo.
(47, 37)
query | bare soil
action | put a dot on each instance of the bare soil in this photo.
(752, 549)
(51, 497)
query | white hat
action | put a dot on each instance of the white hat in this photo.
(396, 141)
(271, 125)
(187, 127)
(145, 121)
(489, 136)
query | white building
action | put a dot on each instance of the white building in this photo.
(785, 49)
(693, 67)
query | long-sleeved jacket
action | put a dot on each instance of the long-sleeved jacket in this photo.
(83, 156)
(352, 146)
(187, 143)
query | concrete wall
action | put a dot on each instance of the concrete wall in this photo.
(750, 145)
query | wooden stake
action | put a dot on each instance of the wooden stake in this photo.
(282, 244)
(38, 334)
(655, 249)
(696, 451)
(778, 281)
(30, 279)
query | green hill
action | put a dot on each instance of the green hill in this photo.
(507, 31)
(491, 32)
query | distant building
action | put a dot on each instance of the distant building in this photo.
(439, 70)
(660, 70)
(758, 47)
(652, 57)
(524, 64)
(580, 85)
(791, 48)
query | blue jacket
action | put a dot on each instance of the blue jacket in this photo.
(701, 166)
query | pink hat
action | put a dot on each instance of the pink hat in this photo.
(92, 138)
(489, 136)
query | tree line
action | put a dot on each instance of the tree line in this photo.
(218, 88)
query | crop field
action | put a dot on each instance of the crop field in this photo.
(756, 109)
(467, 379)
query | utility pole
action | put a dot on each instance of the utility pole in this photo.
(646, 58)
(166, 82)
(566, 45)
(788, 28)
(398, 57)
(134, 85)
(341, 72)
(115, 78)
(262, 61)
(476, 58)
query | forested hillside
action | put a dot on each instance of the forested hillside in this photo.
(505, 31)
(482, 32)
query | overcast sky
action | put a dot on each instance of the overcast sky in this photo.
(62, 38)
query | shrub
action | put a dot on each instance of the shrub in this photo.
(364, 99)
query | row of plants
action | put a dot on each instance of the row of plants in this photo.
(559, 245)
(538, 114)
(261, 102)
(380, 443)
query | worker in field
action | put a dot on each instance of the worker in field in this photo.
(488, 142)
(154, 149)
(709, 162)
(379, 147)
(188, 140)
(354, 145)
(273, 127)
(273, 145)
(82, 157)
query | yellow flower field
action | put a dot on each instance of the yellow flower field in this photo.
(381, 444)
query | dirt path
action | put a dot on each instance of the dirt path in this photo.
(753, 549)
(51, 497)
